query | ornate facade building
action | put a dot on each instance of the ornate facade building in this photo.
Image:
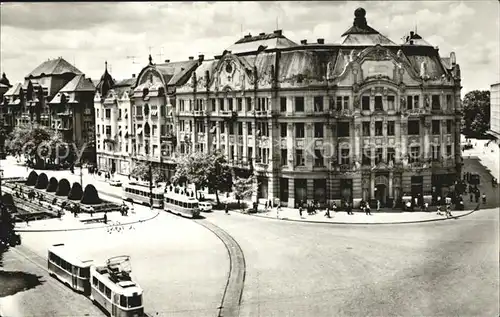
(113, 108)
(55, 94)
(362, 119)
(495, 111)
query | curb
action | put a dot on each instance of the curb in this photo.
(99, 227)
(369, 223)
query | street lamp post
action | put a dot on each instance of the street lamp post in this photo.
(150, 185)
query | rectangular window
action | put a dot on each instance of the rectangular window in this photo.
(283, 104)
(448, 102)
(378, 128)
(222, 127)
(283, 130)
(436, 103)
(240, 128)
(214, 104)
(409, 102)
(239, 103)
(416, 102)
(250, 153)
(365, 103)
(345, 156)
(318, 130)
(346, 102)
(378, 103)
(339, 103)
(390, 127)
(221, 104)
(449, 124)
(231, 128)
(366, 128)
(299, 104)
(94, 281)
(284, 157)
(343, 129)
(108, 113)
(108, 293)
(318, 104)
(318, 158)
(414, 154)
(390, 102)
(97, 113)
(249, 128)
(248, 101)
(101, 287)
(413, 127)
(331, 103)
(378, 155)
(299, 130)
(299, 157)
(436, 152)
(391, 154)
(436, 125)
(448, 151)
(108, 130)
(230, 104)
(367, 154)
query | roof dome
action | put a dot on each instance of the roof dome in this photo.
(4, 80)
(106, 82)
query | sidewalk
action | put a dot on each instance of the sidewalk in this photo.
(68, 222)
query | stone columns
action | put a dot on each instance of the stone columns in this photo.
(372, 185)
(291, 193)
(217, 133)
(403, 132)
(245, 141)
(310, 189)
(357, 145)
(427, 142)
(308, 146)
(226, 123)
(290, 145)
(253, 144)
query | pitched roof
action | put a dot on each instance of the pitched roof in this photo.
(360, 33)
(56, 66)
(126, 82)
(79, 83)
(173, 72)
(14, 90)
(415, 39)
(250, 43)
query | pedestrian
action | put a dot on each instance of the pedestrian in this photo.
(91, 211)
(378, 205)
(484, 198)
(426, 207)
(226, 208)
(349, 209)
(471, 196)
(300, 211)
(334, 209)
(478, 194)
(327, 213)
(265, 206)
(278, 208)
(367, 210)
(105, 218)
(448, 211)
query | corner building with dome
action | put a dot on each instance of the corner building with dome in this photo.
(361, 119)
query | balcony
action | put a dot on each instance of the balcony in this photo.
(200, 113)
(341, 113)
(229, 115)
(64, 113)
(261, 167)
(261, 113)
(416, 112)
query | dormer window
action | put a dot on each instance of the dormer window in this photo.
(161, 92)
(145, 92)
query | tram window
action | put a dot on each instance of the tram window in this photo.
(94, 281)
(134, 301)
(195, 205)
(101, 287)
(57, 260)
(84, 272)
(123, 301)
(184, 205)
(108, 293)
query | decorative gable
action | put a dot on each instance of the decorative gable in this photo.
(231, 74)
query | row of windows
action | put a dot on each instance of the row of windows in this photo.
(180, 203)
(142, 193)
(68, 267)
(101, 287)
(128, 302)
(337, 103)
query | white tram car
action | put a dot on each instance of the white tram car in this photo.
(109, 286)
(139, 193)
(181, 201)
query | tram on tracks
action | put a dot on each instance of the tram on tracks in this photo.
(110, 286)
(139, 193)
(181, 201)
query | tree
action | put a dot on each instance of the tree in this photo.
(32, 178)
(26, 139)
(63, 187)
(42, 182)
(244, 187)
(52, 185)
(76, 192)
(9, 202)
(90, 196)
(476, 113)
(204, 170)
(8, 236)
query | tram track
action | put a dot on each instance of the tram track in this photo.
(233, 292)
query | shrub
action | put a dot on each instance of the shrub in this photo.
(8, 202)
(52, 185)
(90, 196)
(63, 187)
(32, 178)
(76, 192)
(42, 181)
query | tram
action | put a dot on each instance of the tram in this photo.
(139, 193)
(180, 201)
(68, 268)
(110, 286)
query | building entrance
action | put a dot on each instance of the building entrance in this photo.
(381, 193)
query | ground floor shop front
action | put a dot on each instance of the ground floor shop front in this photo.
(388, 187)
(114, 164)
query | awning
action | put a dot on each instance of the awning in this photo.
(139, 131)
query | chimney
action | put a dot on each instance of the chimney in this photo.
(278, 32)
(201, 57)
(167, 61)
(412, 34)
(263, 33)
(247, 36)
(321, 41)
(411, 42)
(303, 42)
(133, 75)
(191, 58)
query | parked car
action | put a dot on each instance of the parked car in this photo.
(115, 182)
(205, 206)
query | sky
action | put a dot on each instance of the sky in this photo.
(125, 33)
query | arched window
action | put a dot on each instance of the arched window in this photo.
(147, 129)
(146, 109)
(145, 92)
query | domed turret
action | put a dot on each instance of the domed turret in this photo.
(5, 81)
(106, 82)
